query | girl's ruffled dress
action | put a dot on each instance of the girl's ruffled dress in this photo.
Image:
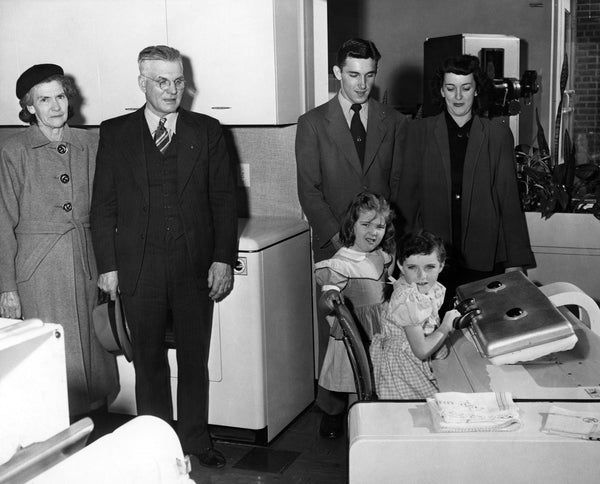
(361, 277)
(399, 374)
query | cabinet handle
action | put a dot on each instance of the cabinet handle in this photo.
(220, 107)
(569, 94)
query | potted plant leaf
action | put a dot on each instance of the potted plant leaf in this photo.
(562, 209)
(549, 187)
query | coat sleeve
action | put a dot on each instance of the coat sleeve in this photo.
(400, 165)
(103, 213)
(10, 189)
(512, 219)
(308, 168)
(406, 178)
(222, 197)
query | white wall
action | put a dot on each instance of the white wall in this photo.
(399, 28)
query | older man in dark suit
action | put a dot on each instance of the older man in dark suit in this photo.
(349, 144)
(164, 230)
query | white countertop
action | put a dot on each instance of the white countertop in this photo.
(258, 233)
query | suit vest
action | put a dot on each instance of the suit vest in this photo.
(164, 214)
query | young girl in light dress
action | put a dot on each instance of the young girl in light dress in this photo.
(411, 332)
(356, 275)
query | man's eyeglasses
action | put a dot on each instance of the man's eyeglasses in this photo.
(165, 84)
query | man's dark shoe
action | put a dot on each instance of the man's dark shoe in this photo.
(332, 426)
(212, 458)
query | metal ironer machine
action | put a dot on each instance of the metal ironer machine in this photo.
(511, 320)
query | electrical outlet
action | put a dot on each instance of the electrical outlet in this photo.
(244, 175)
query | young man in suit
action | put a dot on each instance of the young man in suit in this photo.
(164, 229)
(349, 144)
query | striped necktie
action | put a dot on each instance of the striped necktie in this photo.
(161, 136)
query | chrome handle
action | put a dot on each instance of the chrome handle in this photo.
(569, 94)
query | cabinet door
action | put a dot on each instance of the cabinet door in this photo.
(243, 58)
(96, 42)
(125, 27)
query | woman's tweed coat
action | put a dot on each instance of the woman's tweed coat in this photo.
(46, 251)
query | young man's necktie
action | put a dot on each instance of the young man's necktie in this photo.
(358, 132)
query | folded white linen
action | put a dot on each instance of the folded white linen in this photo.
(473, 412)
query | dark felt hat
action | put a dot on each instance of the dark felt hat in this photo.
(111, 328)
(34, 75)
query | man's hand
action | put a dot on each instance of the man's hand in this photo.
(10, 305)
(109, 283)
(220, 280)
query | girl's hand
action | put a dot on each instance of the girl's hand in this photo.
(424, 346)
(328, 298)
(447, 322)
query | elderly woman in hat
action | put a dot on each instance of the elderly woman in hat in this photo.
(47, 267)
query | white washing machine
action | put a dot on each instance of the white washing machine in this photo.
(261, 364)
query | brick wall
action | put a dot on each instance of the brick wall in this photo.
(587, 80)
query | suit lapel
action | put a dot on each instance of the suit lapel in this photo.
(440, 132)
(477, 137)
(133, 148)
(376, 130)
(339, 133)
(188, 149)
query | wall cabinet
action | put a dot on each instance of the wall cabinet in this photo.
(95, 41)
(244, 59)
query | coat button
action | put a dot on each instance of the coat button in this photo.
(64, 178)
(67, 207)
(62, 149)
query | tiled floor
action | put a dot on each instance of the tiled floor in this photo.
(297, 455)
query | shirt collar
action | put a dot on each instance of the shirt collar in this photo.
(453, 127)
(153, 120)
(347, 109)
(355, 255)
(37, 139)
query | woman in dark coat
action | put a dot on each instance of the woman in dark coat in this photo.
(460, 181)
(47, 266)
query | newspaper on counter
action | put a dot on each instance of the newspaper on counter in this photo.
(474, 412)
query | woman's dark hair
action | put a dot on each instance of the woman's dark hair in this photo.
(463, 65)
(27, 100)
(420, 242)
(366, 202)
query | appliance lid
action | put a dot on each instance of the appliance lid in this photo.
(258, 233)
(515, 314)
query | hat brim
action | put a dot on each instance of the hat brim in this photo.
(110, 326)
